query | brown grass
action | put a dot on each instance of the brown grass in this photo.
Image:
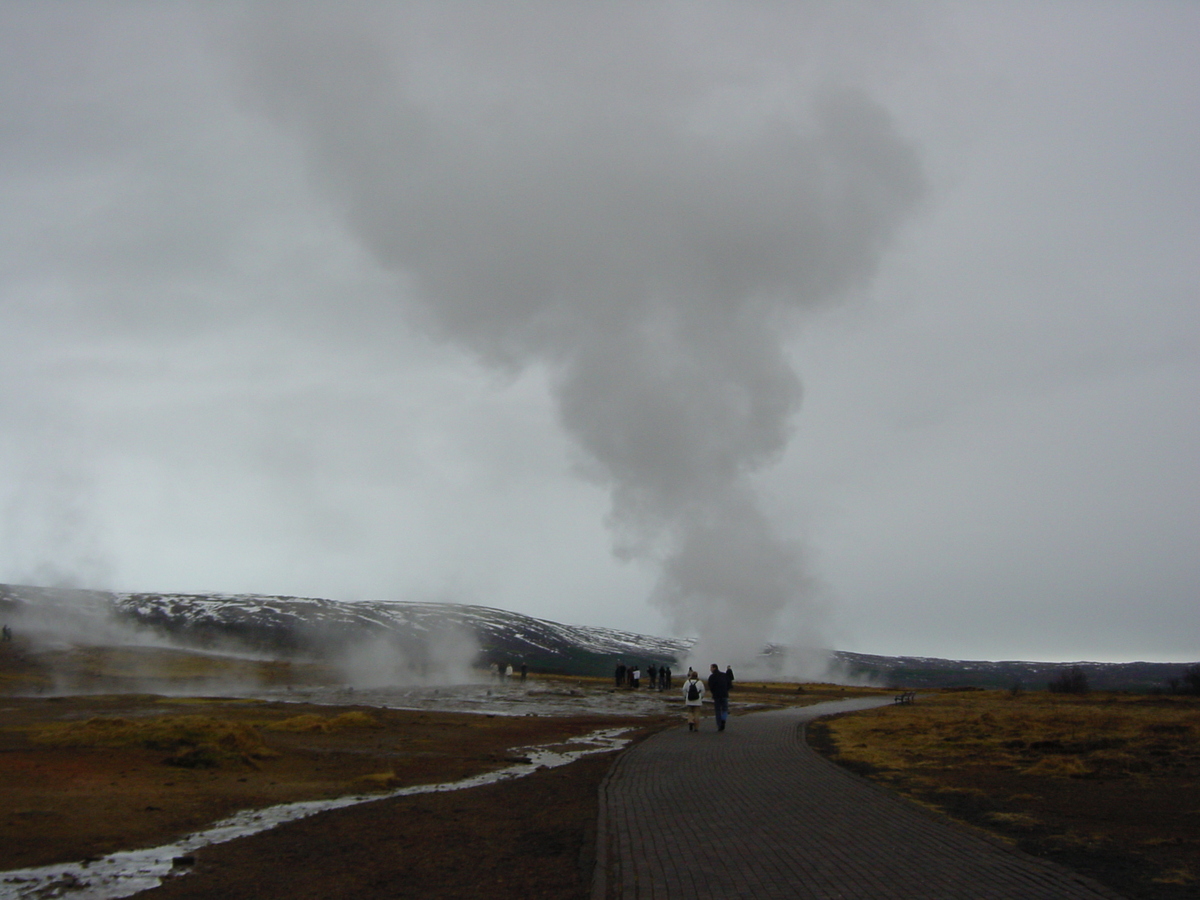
(193, 741)
(1110, 736)
(326, 724)
(1107, 783)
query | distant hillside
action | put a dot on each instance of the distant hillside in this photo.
(920, 672)
(426, 635)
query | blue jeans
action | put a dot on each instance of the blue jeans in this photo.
(721, 710)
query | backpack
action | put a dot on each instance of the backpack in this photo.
(693, 691)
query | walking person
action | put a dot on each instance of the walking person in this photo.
(693, 700)
(718, 686)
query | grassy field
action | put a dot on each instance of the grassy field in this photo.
(1108, 784)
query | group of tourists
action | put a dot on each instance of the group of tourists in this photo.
(718, 685)
(658, 678)
(504, 672)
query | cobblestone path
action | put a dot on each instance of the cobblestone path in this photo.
(753, 812)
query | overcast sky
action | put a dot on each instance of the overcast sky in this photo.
(866, 326)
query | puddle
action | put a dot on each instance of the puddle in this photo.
(129, 872)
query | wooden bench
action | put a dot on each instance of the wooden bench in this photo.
(907, 697)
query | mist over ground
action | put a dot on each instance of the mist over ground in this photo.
(829, 325)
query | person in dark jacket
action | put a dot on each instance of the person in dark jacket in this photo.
(718, 688)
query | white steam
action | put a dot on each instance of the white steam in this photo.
(443, 656)
(567, 188)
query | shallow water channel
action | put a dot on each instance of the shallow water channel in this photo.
(129, 872)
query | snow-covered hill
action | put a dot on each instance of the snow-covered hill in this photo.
(325, 628)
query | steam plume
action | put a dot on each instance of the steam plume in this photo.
(572, 189)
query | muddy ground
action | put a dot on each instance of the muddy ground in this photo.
(530, 837)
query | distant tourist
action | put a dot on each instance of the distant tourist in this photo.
(664, 678)
(619, 677)
(635, 678)
(7, 632)
(524, 672)
(651, 677)
(729, 676)
(693, 700)
(508, 672)
(718, 686)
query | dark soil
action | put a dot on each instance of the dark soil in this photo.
(534, 837)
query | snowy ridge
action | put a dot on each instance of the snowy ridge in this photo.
(317, 625)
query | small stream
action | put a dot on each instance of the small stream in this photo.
(129, 872)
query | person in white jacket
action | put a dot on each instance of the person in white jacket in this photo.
(693, 700)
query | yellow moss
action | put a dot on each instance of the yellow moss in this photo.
(1181, 875)
(1014, 820)
(1111, 734)
(325, 725)
(308, 722)
(379, 780)
(1058, 767)
(225, 738)
(354, 719)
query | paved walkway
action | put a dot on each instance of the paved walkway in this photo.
(753, 812)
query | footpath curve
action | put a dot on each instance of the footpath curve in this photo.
(753, 812)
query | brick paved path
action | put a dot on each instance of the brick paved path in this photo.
(753, 812)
